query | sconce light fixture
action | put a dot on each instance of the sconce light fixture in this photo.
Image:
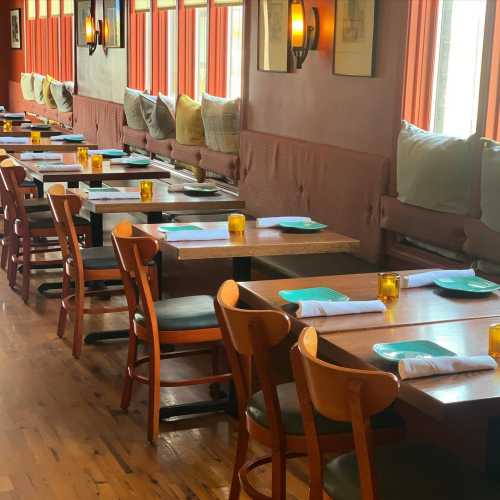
(93, 35)
(305, 36)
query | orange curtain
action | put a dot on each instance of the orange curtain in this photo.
(160, 50)
(422, 31)
(493, 111)
(136, 67)
(186, 58)
(66, 52)
(54, 59)
(217, 51)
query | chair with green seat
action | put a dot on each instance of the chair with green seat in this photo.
(272, 415)
(182, 320)
(409, 471)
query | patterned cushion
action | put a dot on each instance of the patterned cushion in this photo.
(27, 86)
(38, 88)
(47, 94)
(221, 120)
(158, 116)
(62, 96)
(132, 109)
(189, 125)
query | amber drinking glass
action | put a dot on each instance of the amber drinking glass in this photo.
(494, 344)
(36, 137)
(7, 126)
(97, 163)
(236, 223)
(82, 155)
(146, 190)
(388, 286)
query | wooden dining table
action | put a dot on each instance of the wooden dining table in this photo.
(18, 131)
(459, 324)
(255, 242)
(46, 144)
(15, 121)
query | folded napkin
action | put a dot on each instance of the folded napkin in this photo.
(197, 235)
(425, 279)
(63, 137)
(10, 116)
(59, 167)
(276, 221)
(426, 367)
(314, 308)
(179, 188)
(14, 140)
(110, 152)
(41, 156)
(113, 195)
(25, 125)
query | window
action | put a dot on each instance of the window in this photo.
(200, 53)
(234, 50)
(172, 53)
(452, 58)
(458, 67)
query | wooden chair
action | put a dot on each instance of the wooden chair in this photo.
(272, 416)
(182, 320)
(80, 266)
(406, 471)
(27, 229)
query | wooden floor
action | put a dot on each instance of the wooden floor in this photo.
(63, 435)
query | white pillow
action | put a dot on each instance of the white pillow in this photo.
(490, 185)
(132, 109)
(27, 86)
(435, 171)
(38, 88)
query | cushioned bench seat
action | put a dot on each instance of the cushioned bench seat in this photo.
(162, 147)
(134, 138)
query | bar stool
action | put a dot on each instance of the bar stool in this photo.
(272, 415)
(28, 228)
(406, 470)
(181, 320)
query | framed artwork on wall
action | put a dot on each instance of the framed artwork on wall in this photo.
(84, 8)
(113, 23)
(274, 40)
(15, 29)
(353, 48)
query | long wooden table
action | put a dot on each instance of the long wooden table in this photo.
(18, 131)
(46, 144)
(255, 242)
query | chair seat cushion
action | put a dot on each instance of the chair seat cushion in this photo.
(43, 221)
(184, 313)
(99, 258)
(292, 418)
(36, 205)
(412, 472)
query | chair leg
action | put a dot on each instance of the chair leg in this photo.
(12, 260)
(25, 290)
(129, 379)
(63, 313)
(241, 453)
(78, 318)
(5, 252)
(154, 394)
(278, 475)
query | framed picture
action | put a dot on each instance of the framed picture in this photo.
(113, 23)
(84, 8)
(273, 40)
(15, 29)
(354, 37)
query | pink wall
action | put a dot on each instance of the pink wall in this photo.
(316, 105)
(17, 56)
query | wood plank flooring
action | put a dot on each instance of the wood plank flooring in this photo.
(63, 435)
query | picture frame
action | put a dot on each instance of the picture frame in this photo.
(16, 31)
(274, 36)
(113, 23)
(84, 8)
(354, 38)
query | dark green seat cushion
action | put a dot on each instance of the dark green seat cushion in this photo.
(292, 418)
(184, 313)
(409, 472)
(99, 258)
(33, 205)
(43, 221)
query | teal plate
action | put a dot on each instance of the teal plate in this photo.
(302, 226)
(111, 153)
(40, 126)
(200, 190)
(138, 162)
(73, 139)
(167, 229)
(321, 293)
(473, 285)
(395, 351)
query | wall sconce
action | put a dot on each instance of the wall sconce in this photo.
(305, 37)
(93, 36)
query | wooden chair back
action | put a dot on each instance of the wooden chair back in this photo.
(63, 207)
(12, 175)
(249, 336)
(341, 394)
(134, 253)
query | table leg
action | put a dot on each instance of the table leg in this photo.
(96, 227)
(493, 447)
(73, 184)
(242, 268)
(39, 188)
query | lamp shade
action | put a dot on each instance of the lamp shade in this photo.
(298, 23)
(89, 30)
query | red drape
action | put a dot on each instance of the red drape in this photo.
(217, 51)
(422, 29)
(493, 111)
(137, 29)
(186, 58)
(160, 50)
(66, 52)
